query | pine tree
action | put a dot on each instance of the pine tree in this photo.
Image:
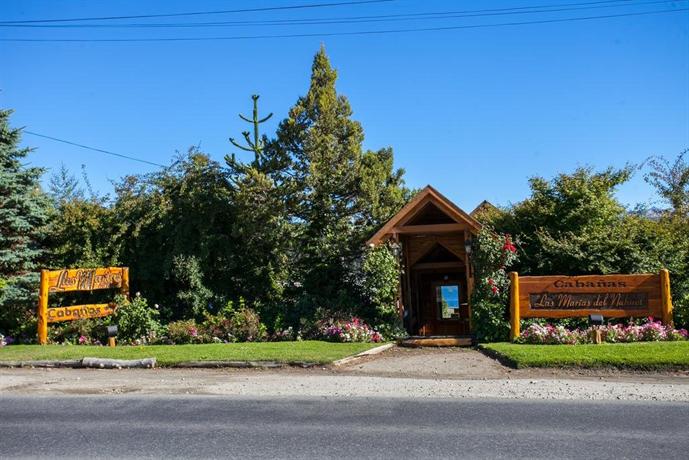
(332, 184)
(24, 211)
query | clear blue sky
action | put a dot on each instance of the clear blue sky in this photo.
(474, 112)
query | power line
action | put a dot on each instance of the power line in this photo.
(374, 18)
(334, 34)
(128, 157)
(198, 13)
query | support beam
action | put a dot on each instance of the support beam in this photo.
(514, 306)
(432, 228)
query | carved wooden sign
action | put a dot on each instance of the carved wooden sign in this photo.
(80, 312)
(74, 280)
(613, 296)
(85, 279)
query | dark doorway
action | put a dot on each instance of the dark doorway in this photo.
(442, 302)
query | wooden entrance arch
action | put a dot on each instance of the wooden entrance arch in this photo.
(437, 280)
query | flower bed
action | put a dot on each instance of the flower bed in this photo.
(350, 330)
(651, 330)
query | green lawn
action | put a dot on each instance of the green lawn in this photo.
(638, 355)
(166, 355)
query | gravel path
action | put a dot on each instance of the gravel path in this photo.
(398, 373)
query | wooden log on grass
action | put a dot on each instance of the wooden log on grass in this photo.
(105, 363)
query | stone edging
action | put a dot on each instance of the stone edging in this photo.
(372, 351)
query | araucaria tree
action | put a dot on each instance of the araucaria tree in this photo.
(24, 210)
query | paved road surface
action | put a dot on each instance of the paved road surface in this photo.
(220, 426)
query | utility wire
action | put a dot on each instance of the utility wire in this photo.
(374, 18)
(362, 19)
(128, 157)
(334, 34)
(198, 13)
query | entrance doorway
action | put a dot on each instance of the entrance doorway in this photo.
(443, 307)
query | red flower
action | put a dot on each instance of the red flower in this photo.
(508, 246)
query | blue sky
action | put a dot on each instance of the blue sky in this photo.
(474, 112)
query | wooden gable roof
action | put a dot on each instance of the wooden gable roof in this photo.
(402, 222)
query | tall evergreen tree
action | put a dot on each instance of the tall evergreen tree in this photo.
(24, 211)
(334, 188)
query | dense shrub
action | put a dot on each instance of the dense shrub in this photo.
(137, 322)
(246, 326)
(492, 253)
(184, 332)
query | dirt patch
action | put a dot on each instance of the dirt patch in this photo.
(471, 364)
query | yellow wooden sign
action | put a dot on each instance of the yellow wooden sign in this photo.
(85, 279)
(74, 280)
(80, 312)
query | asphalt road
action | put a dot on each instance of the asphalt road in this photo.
(199, 426)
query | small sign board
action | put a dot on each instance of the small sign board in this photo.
(613, 296)
(75, 280)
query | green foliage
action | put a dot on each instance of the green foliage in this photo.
(671, 181)
(246, 326)
(492, 253)
(183, 332)
(24, 212)
(379, 281)
(192, 296)
(572, 225)
(336, 193)
(136, 321)
(178, 218)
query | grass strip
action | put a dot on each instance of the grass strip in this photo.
(168, 355)
(636, 355)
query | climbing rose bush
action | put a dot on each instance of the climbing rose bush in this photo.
(651, 330)
(351, 330)
(492, 255)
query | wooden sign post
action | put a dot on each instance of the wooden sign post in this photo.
(75, 280)
(613, 296)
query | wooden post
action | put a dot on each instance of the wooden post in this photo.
(125, 281)
(666, 297)
(43, 308)
(111, 341)
(514, 306)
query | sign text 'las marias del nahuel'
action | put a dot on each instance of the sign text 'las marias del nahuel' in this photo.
(74, 280)
(613, 296)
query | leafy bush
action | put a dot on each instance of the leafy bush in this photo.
(137, 323)
(378, 280)
(183, 332)
(246, 326)
(235, 325)
(491, 254)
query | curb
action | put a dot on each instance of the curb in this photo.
(372, 351)
(243, 364)
(93, 363)
(150, 363)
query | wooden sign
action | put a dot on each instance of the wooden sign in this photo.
(85, 279)
(613, 296)
(80, 312)
(74, 280)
